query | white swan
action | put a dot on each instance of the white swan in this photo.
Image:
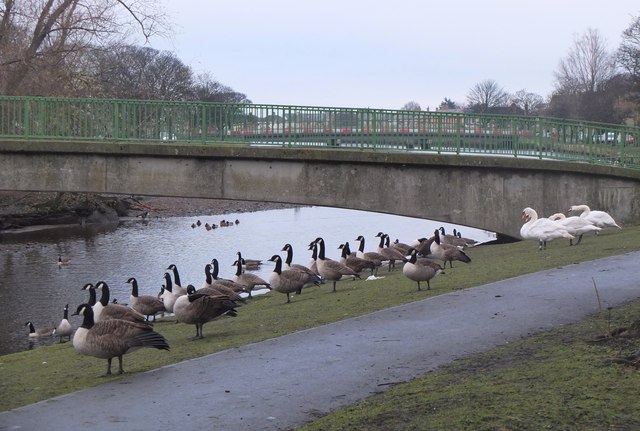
(541, 229)
(576, 226)
(599, 218)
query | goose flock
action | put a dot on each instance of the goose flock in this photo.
(110, 330)
(558, 225)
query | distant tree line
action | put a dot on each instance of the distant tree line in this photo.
(591, 83)
(75, 48)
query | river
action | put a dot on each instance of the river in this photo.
(35, 288)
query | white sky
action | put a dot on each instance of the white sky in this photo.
(367, 53)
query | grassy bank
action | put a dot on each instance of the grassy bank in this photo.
(39, 374)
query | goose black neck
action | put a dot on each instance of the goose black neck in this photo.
(386, 240)
(414, 257)
(169, 284)
(134, 288)
(289, 258)
(207, 273)
(176, 276)
(320, 244)
(215, 268)
(381, 241)
(239, 266)
(87, 321)
(104, 298)
(278, 268)
(66, 312)
(92, 296)
(361, 247)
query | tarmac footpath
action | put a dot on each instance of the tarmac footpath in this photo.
(283, 383)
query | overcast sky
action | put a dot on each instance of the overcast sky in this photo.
(367, 53)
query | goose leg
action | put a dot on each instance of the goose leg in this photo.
(120, 369)
(108, 373)
(288, 299)
(334, 286)
(579, 239)
(418, 286)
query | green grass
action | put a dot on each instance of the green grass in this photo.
(503, 389)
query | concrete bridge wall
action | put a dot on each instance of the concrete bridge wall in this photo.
(478, 191)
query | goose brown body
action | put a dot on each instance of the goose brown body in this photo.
(416, 271)
(113, 338)
(146, 305)
(288, 281)
(447, 252)
(249, 281)
(330, 269)
(199, 308)
(102, 310)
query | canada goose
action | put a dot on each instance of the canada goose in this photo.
(541, 229)
(40, 332)
(418, 272)
(249, 281)
(63, 261)
(177, 284)
(373, 256)
(251, 264)
(470, 242)
(354, 262)
(207, 226)
(330, 269)
(198, 223)
(102, 310)
(114, 337)
(601, 219)
(215, 280)
(213, 287)
(391, 255)
(403, 248)
(168, 296)
(92, 293)
(451, 239)
(199, 308)
(424, 246)
(288, 248)
(447, 252)
(289, 280)
(64, 328)
(146, 305)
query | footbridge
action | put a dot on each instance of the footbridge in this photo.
(467, 169)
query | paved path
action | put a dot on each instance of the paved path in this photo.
(285, 382)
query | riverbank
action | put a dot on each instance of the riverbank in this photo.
(22, 210)
(584, 389)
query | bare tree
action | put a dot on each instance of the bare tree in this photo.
(207, 89)
(587, 66)
(135, 72)
(486, 95)
(530, 103)
(412, 106)
(629, 57)
(39, 38)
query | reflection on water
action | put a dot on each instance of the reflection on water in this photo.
(34, 287)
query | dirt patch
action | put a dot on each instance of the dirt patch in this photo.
(19, 210)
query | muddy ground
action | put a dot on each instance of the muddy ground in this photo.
(24, 209)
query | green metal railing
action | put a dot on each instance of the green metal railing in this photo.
(38, 118)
